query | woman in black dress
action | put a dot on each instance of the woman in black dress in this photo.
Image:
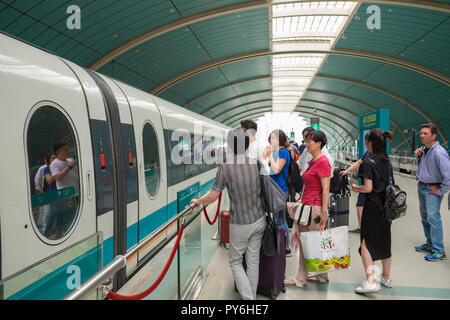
(375, 230)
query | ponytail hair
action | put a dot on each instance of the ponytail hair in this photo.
(389, 136)
(379, 140)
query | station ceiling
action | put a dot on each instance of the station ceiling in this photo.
(217, 57)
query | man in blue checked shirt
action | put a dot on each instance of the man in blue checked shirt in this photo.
(433, 174)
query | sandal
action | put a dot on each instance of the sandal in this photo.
(317, 279)
(297, 283)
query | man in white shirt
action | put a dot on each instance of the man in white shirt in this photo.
(306, 157)
(253, 150)
(63, 168)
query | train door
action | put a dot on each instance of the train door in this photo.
(43, 114)
(152, 164)
(116, 179)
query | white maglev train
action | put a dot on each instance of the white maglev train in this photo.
(121, 184)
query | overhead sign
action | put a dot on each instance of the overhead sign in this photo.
(315, 123)
(369, 121)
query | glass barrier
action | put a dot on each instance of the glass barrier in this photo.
(184, 266)
(190, 251)
(401, 164)
(56, 276)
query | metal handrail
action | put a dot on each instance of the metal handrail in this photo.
(102, 277)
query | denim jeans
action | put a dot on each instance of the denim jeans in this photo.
(282, 223)
(430, 205)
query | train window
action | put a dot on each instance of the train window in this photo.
(151, 159)
(52, 160)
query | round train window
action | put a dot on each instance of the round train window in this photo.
(53, 167)
(151, 159)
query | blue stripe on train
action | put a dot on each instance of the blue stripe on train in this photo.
(54, 286)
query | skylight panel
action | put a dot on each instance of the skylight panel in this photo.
(301, 26)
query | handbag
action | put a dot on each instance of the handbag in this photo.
(272, 196)
(271, 238)
(301, 212)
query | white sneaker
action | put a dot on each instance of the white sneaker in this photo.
(366, 287)
(386, 283)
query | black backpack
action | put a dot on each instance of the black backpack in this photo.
(294, 180)
(394, 200)
(339, 183)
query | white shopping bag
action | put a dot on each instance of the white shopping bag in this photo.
(326, 251)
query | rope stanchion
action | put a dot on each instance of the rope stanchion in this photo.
(115, 296)
(217, 213)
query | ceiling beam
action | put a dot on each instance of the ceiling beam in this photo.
(326, 118)
(262, 53)
(267, 108)
(257, 113)
(393, 95)
(239, 7)
(331, 114)
(235, 97)
(223, 87)
(240, 106)
(324, 111)
(176, 24)
(354, 100)
(303, 99)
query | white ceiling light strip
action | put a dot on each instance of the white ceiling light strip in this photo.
(301, 25)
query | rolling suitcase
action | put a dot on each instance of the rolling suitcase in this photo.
(225, 228)
(271, 271)
(339, 211)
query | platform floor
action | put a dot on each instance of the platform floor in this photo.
(413, 277)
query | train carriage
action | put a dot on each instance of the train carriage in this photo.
(123, 181)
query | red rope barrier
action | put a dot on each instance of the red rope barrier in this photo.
(115, 296)
(217, 213)
(407, 161)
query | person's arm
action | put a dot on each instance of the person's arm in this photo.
(444, 168)
(354, 166)
(278, 165)
(215, 191)
(365, 188)
(61, 174)
(38, 183)
(418, 153)
(48, 176)
(208, 198)
(325, 183)
(266, 153)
